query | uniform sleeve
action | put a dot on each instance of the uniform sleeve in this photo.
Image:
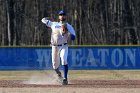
(47, 22)
(72, 32)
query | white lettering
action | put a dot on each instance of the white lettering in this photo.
(103, 53)
(77, 57)
(117, 57)
(90, 60)
(43, 57)
(131, 55)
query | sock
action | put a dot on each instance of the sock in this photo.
(58, 72)
(65, 69)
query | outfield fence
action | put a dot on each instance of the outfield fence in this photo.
(79, 58)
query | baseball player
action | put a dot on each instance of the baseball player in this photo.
(61, 32)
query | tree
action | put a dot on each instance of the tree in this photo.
(95, 21)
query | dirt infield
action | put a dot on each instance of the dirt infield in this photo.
(104, 81)
(75, 84)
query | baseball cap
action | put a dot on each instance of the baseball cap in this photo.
(62, 12)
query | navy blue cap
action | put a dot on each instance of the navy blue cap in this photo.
(62, 12)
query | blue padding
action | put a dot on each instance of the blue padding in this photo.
(79, 58)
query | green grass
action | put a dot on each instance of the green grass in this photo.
(74, 46)
(76, 74)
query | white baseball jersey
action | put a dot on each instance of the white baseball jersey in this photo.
(57, 38)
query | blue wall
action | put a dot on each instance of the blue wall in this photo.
(107, 58)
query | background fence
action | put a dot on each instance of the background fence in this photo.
(81, 57)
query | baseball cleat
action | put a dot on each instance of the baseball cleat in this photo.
(59, 75)
(65, 82)
(60, 78)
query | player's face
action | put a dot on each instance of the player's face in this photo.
(62, 17)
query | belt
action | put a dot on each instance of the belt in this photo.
(59, 44)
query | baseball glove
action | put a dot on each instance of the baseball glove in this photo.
(64, 28)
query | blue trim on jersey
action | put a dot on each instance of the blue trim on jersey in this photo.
(57, 26)
(47, 22)
(72, 37)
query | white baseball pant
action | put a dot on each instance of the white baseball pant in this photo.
(59, 53)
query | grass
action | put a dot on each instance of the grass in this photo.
(76, 74)
(106, 74)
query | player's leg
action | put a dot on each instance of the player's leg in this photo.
(63, 55)
(56, 60)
